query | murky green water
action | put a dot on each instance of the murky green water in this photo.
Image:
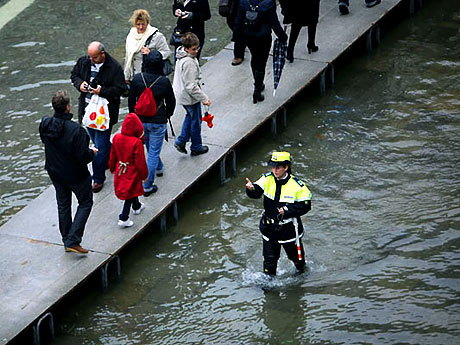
(380, 153)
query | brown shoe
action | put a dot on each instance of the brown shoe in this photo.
(237, 61)
(97, 187)
(76, 249)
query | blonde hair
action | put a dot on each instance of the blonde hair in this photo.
(140, 15)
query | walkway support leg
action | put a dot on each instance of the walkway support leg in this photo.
(223, 177)
(284, 115)
(36, 329)
(163, 224)
(332, 74)
(322, 86)
(104, 272)
(274, 126)
(175, 213)
(373, 33)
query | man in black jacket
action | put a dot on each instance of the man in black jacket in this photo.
(67, 157)
(99, 74)
(154, 126)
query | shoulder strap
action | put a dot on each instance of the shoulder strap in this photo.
(149, 39)
(153, 81)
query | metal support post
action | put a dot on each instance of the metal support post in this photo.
(284, 115)
(374, 31)
(163, 224)
(36, 329)
(369, 41)
(104, 272)
(175, 213)
(322, 86)
(332, 74)
(274, 126)
(223, 177)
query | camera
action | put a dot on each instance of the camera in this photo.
(183, 13)
(91, 85)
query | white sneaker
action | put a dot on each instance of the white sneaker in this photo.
(125, 223)
(139, 210)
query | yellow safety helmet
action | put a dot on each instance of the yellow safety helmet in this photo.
(280, 158)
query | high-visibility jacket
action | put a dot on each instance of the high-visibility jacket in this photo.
(289, 193)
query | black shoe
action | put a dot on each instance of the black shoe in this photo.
(343, 8)
(372, 3)
(203, 150)
(150, 192)
(290, 57)
(257, 96)
(180, 148)
(312, 49)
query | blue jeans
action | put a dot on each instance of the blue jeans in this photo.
(191, 127)
(101, 140)
(154, 134)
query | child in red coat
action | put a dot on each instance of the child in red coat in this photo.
(127, 161)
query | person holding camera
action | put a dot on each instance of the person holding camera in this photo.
(99, 74)
(286, 198)
(191, 15)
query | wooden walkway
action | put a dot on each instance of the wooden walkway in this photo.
(35, 271)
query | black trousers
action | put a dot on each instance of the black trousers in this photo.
(295, 30)
(134, 202)
(272, 251)
(72, 230)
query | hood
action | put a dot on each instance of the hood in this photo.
(181, 53)
(153, 62)
(261, 5)
(52, 127)
(132, 126)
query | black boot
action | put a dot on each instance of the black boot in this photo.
(311, 47)
(290, 54)
(258, 87)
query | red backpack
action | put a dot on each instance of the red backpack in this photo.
(146, 105)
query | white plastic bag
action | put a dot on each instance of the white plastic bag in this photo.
(97, 114)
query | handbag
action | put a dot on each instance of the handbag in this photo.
(176, 37)
(167, 67)
(97, 114)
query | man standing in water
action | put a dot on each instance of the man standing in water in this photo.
(67, 157)
(286, 198)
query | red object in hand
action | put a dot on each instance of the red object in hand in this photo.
(208, 119)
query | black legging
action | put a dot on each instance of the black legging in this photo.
(295, 30)
(260, 49)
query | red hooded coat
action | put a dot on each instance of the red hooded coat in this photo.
(127, 159)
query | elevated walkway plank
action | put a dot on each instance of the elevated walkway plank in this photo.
(35, 271)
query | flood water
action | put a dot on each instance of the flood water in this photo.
(380, 153)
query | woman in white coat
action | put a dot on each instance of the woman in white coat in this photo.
(141, 39)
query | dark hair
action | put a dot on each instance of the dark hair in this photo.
(60, 101)
(190, 40)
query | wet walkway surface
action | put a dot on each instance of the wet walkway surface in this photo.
(33, 263)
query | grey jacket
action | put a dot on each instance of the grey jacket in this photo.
(187, 79)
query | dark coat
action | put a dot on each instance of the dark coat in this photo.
(266, 22)
(300, 12)
(127, 147)
(111, 78)
(162, 89)
(67, 150)
(200, 12)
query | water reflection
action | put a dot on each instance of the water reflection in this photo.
(380, 154)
